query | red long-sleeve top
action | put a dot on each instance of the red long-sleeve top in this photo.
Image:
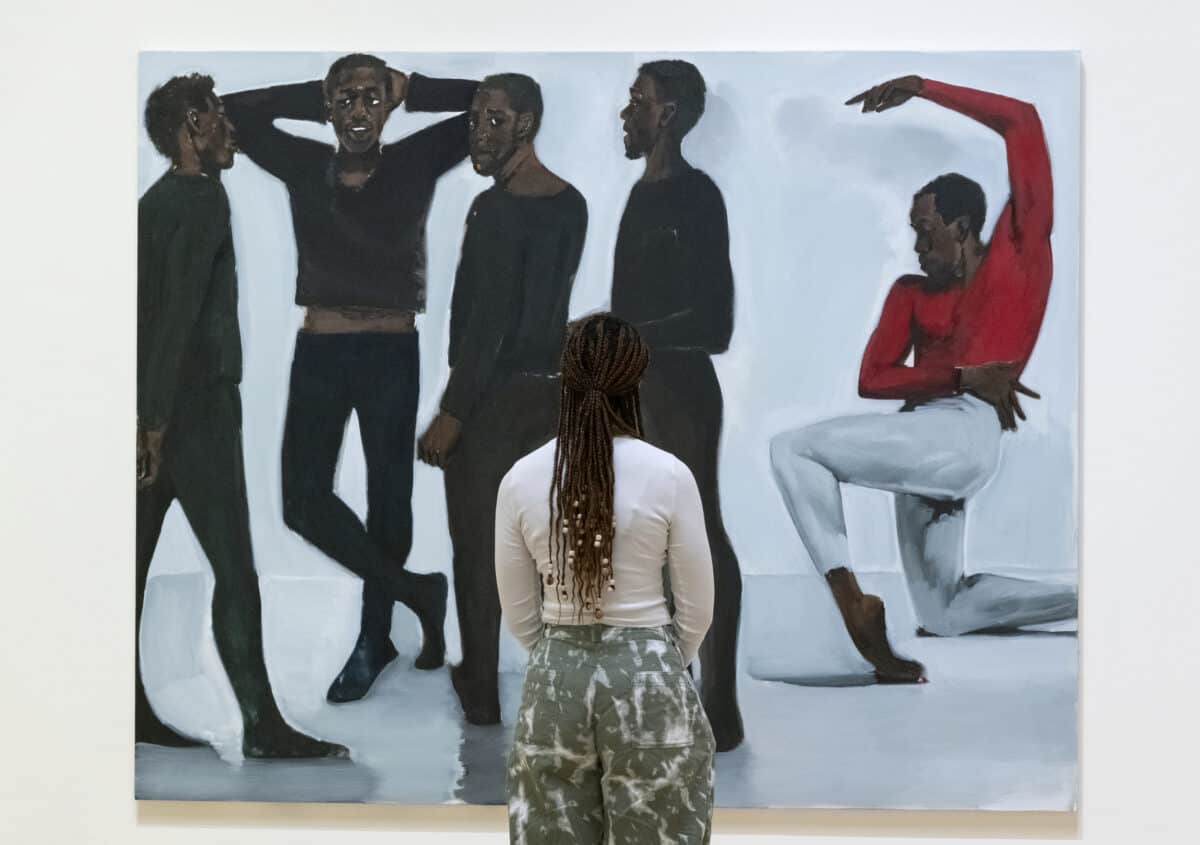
(997, 316)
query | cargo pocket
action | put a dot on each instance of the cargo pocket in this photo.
(662, 710)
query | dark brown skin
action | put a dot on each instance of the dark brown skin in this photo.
(358, 103)
(998, 385)
(647, 121)
(149, 456)
(949, 254)
(866, 623)
(439, 440)
(206, 142)
(502, 148)
(206, 145)
(948, 251)
(888, 95)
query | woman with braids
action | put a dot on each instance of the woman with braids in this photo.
(611, 742)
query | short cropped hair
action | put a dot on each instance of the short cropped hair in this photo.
(679, 82)
(524, 94)
(352, 61)
(954, 196)
(168, 105)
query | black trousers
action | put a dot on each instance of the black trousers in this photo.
(202, 468)
(682, 410)
(510, 420)
(378, 377)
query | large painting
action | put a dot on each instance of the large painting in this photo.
(858, 276)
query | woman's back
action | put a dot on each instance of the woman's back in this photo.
(658, 520)
(611, 742)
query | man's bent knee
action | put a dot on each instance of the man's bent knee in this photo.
(786, 447)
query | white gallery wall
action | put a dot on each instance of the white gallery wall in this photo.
(73, 175)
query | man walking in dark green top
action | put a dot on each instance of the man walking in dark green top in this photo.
(189, 408)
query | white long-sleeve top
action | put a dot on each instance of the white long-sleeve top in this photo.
(660, 522)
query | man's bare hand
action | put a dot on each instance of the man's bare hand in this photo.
(439, 440)
(149, 457)
(895, 92)
(999, 386)
(397, 88)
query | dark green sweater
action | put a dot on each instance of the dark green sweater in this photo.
(188, 335)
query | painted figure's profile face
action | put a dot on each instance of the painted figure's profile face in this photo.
(495, 130)
(214, 136)
(358, 107)
(939, 245)
(644, 118)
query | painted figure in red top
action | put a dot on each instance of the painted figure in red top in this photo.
(970, 322)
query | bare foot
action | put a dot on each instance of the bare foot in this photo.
(866, 623)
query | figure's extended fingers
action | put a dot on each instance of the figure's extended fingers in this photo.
(883, 101)
(857, 98)
(1016, 405)
(1000, 417)
(1020, 388)
(896, 96)
(1007, 421)
(868, 102)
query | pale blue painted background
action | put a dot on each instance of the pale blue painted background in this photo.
(817, 197)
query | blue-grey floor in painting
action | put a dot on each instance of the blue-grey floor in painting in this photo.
(995, 728)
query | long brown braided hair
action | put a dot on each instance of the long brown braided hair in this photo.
(602, 364)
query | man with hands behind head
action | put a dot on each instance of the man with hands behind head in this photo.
(359, 212)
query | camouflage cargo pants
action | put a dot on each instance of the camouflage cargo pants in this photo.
(611, 745)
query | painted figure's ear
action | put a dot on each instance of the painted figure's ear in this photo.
(962, 227)
(667, 115)
(525, 126)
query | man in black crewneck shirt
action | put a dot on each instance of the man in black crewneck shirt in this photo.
(189, 406)
(359, 215)
(672, 280)
(523, 241)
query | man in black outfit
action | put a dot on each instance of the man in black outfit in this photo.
(672, 279)
(359, 215)
(508, 316)
(189, 438)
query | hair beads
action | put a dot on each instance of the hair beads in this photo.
(602, 364)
